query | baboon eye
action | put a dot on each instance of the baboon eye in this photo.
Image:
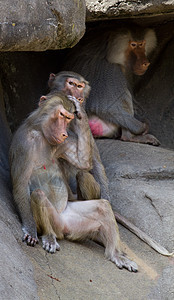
(71, 83)
(80, 86)
(133, 45)
(61, 114)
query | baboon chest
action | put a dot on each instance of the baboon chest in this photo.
(49, 179)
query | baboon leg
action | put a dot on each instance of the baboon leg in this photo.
(95, 219)
(87, 187)
(127, 136)
(43, 211)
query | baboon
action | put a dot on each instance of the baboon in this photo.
(40, 188)
(91, 184)
(106, 60)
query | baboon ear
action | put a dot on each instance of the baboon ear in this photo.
(51, 78)
(42, 100)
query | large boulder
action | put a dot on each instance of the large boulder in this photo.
(16, 271)
(141, 186)
(103, 9)
(39, 25)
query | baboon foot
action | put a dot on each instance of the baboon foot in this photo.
(122, 261)
(143, 139)
(50, 244)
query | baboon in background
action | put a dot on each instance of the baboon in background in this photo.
(40, 188)
(105, 59)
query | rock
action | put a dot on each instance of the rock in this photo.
(164, 288)
(17, 281)
(16, 271)
(39, 25)
(103, 9)
(141, 186)
(80, 271)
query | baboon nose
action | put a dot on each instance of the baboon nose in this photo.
(80, 99)
(64, 135)
(146, 64)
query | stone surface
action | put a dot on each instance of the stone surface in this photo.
(38, 25)
(103, 9)
(80, 271)
(16, 271)
(17, 281)
(141, 186)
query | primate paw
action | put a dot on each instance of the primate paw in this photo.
(77, 105)
(31, 241)
(50, 244)
(143, 139)
(122, 261)
(151, 140)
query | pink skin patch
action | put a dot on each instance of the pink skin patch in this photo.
(100, 128)
(96, 127)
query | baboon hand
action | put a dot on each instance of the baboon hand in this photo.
(77, 105)
(31, 241)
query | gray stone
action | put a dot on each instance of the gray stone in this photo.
(141, 186)
(103, 9)
(164, 288)
(17, 281)
(80, 271)
(16, 271)
(38, 25)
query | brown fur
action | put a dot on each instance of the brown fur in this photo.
(40, 186)
(94, 185)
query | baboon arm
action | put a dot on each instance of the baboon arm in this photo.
(21, 170)
(77, 152)
(99, 174)
(22, 200)
(76, 149)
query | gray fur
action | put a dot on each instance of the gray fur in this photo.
(110, 98)
(56, 84)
